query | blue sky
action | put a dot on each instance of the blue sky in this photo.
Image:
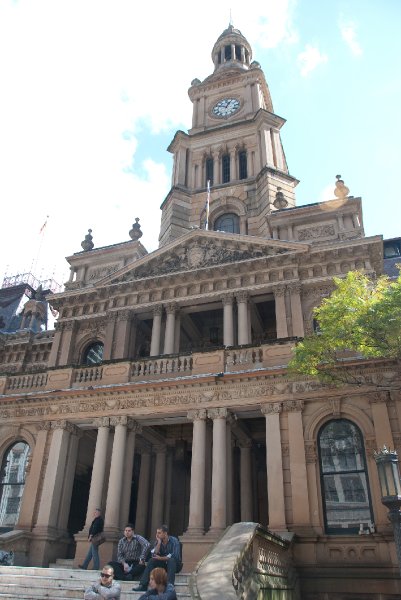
(94, 90)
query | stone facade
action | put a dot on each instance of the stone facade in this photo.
(163, 394)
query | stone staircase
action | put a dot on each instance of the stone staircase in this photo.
(61, 582)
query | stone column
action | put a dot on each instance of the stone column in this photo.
(156, 329)
(233, 170)
(230, 467)
(122, 334)
(246, 481)
(55, 351)
(228, 319)
(109, 338)
(141, 519)
(99, 468)
(216, 169)
(299, 479)
(54, 476)
(177, 332)
(219, 470)
(113, 503)
(69, 474)
(281, 313)
(243, 329)
(196, 522)
(158, 489)
(69, 329)
(170, 327)
(28, 502)
(296, 310)
(133, 429)
(274, 466)
(169, 483)
(312, 469)
(378, 404)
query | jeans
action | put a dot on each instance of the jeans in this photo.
(171, 566)
(93, 554)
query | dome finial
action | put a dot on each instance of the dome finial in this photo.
(87, 244)
(136, 232)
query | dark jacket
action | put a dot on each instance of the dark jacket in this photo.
(97, 526)
(169, 594)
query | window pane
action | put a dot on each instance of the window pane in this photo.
(94, 354)
(225, 165)
(344, 480)
(12, 483)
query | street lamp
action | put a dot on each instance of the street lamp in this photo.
(390, 485)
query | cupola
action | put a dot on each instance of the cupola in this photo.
(231, 50)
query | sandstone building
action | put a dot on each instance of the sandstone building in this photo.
(163, 395)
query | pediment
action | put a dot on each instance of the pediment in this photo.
(203, 249)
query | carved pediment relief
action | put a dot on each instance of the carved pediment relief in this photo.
(196, 256)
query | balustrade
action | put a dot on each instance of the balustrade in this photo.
(161, 366)
(22, 382)
(86, 374)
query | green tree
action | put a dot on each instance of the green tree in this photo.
(360, 319)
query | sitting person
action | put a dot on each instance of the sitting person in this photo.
(106, 588)
(158, 586)
(166, 553)
(132, 551)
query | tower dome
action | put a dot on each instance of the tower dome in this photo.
(232, 49)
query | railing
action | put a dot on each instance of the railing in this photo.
(88, 374)
(243, 357)
(257, 564)
(179, 365)
(23, 382)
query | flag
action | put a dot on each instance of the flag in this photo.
(41, 230)
(207, 205)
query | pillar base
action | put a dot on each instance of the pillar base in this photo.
(47, 545)
(194, 548)
(107, 551)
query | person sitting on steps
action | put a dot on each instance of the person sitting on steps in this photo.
(106, 588)
(132, 551)
(166, 553)
(158, 587)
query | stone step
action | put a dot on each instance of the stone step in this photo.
(33, 583)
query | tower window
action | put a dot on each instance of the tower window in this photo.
(227, 52)
(209, 170)
(238, 52)
(225, 168)
(243, 166)
(228, 223)
(93, 355)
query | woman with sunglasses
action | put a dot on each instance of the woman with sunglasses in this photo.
(106, 588)
(159, 589)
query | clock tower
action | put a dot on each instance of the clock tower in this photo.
(235, 144)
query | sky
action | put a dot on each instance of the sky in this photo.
(92, 92)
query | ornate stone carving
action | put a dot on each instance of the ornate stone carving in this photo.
(171, 308)
(66, 425)
(217, 413)
(227, 299)
(101, 422)
(294, 287)
(335, 404)
(121, 420)
(242, 296)
(319, 231)
(196, 415)
(293, 405)
(157, 310)
(125, 315)
(279, 291)
(134, 426)
(310, 451)
(379, 397)
(96, 273)
(271, 409)
(45, 426)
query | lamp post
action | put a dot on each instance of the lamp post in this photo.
(390, 485)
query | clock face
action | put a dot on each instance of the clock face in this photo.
(226, 107)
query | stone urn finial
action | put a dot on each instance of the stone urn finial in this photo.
(136, 232)
(341, 190)
(280, 201)
(87, 244)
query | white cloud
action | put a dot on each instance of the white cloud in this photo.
(310, 59)
(348, 34)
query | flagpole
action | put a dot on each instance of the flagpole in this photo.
(42, 231)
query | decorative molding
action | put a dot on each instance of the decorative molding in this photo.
(335, 404)
(279, 291)
(119, 420)
(293, 405)
(271, 409)
(310, 451)
(379, 397)
(320, 231)
(199, 414)
(101, 422)
(66, 425)
(217, 413)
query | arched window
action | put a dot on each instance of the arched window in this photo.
(12, 482)
(344, 480)
(242, 164)
(228, 222)
(225, 168)
(93, 354)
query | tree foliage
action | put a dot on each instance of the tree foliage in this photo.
(360, 319)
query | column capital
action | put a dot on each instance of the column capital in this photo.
(379, 397)
(279, 290)
(197, 414)
(227, 299)
(111, 316)
(217, 413)
(171, 308)
(272, 408)
(125, 315)
(157, 310)
(293, 405)
(134, 426)
(294, 287)
(310, 451)
(101, 422)
(242, 296)
(66, 425)
(45, 426)
(121, 420)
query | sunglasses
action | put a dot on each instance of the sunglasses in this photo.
(105, 575)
